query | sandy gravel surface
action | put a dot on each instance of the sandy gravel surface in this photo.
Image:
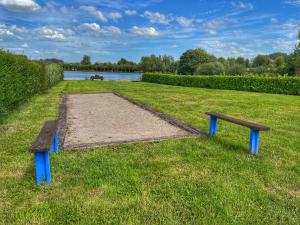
(101, 119)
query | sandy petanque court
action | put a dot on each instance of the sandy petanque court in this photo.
(106, 118)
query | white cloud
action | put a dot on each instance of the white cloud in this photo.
(273, 20)
(93, 11)
(25, 45)
(212, 44)
(16, 29)
(15, 50)
(242, 5)
(94, 27)
(283, 45)
(91, 27)
(115, 16)
(183, 21)
(64, 10)
(9, 31)
(290, 29)
(156, 17)
(213, 26)
(121, 4)
(5, 31)
(113, 29)
(144, 31)
(223, 48)
(293, 2)
(20, 5)
(129, 12)
(52, 34)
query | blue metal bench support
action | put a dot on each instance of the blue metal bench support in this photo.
(254, 141)
(56, 142)
(213, 126)
(55, 145)
(42, 167)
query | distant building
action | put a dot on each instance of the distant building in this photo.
(297, 72)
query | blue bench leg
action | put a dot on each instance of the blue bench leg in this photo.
(42, 167)
(213, 126)
(55, 144)
(47, 168)
(52, 147)
(254, 141)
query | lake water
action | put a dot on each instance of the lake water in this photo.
(82, 75)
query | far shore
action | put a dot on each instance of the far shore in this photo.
(101, 71)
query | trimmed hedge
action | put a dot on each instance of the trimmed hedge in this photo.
(275, 85)
(21, 78)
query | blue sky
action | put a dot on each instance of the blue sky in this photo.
(108, 30)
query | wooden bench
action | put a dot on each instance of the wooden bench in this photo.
(254, 129)
(46, 141)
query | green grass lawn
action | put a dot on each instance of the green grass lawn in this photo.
(188, 181)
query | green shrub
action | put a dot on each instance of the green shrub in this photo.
(276, 85)
(211, 68)
(21, 78)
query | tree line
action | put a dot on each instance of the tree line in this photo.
(85, 64)
(199, 62)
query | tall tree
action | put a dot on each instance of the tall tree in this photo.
(190, 59)
(279, 61)
(293, 60)
(261, 60)
(155, 63)
(86, 60)
(296, 55)
(149, 64)
(273, 56)
(297, 49)
(122, 61)
(247, 63)
(168, 63)
(240, 60)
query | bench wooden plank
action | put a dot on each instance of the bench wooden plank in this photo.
(251, 125)
(45, 138)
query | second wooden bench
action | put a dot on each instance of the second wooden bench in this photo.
(254, 129)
